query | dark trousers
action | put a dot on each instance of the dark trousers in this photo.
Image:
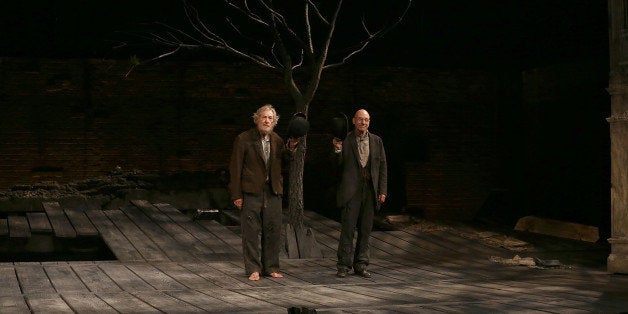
(260, 220)
(358, 212)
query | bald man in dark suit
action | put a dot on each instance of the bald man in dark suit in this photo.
(362, 162)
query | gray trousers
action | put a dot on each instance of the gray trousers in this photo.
(358, 212)
(260, 220)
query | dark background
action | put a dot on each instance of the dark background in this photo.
(549, 113)
(479, 33)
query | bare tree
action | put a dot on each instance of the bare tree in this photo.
(292, 38)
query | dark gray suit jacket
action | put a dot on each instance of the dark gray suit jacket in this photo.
(349, 162)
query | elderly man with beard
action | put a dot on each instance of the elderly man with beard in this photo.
(256, 188)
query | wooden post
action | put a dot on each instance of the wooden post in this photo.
(618, 88)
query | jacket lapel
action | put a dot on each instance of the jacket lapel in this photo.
(353, 141)
(257, 142)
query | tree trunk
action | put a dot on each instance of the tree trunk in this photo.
(295, 196)
(300, 241)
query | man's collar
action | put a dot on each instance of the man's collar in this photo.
(363, 136)
(262, 136)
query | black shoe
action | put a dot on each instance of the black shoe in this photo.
(363, 273)
(342, 273)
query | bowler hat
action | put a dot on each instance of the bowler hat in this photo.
(340, 127)
(298, 125)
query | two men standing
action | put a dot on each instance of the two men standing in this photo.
(256, 188)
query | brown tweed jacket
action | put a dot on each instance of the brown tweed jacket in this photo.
(247, 168)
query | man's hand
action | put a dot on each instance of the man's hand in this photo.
(292, 143)
(238, 203)
(381, 198)
(337, 143)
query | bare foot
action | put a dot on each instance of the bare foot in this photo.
(254, 276)
(276, 275)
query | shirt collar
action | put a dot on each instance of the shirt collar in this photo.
(263, 137)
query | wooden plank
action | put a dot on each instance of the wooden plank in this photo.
(400, 271)
(163, 240)
(400, 246)
(38, 222)
(14, 304)
(232, 214)
(87, 303)
(448, 248)
(289, 298)
(379, 247)
(125, 278)
(394, 308)
(223, 233)
(307, 294)
(166, 303)
(47, 303)
(345, 297)
(501, 296)
(213, 276)
(328, 233)
(212, 242)
(468, 246)
(18, 227)
(4, 227)
(124, 302)
(63, 278)
(383, 274)
(481, 266)
(243, 303)
(382, 295)
(155, 277)
(309, 272)
(59, 221)
(402, 283)
(182, 275)
(203, 301)
(237, 272)
(542, 288)
(117, 242)
(81, 223)
(33, 279)
(440, 295)
(95, 279)
(424, 241)
(186, 239)
(10, 284)
(312, 215)
(144, 245)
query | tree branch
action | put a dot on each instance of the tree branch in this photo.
(370, 37)
(317, 12)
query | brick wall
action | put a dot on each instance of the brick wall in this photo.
(64, 120)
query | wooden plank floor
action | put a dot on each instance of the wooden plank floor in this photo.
(170, 263)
